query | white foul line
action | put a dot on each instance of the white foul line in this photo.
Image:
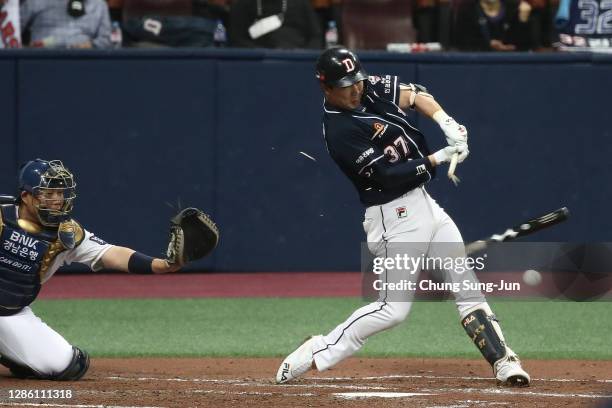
(447, 377)
(345, 387)
(204, 380)
(301, 394)
(358, 395)
(488, 391)
(239, 382)
(515, 391)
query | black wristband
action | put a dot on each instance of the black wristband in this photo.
(140, 263)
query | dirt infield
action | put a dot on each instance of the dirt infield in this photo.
(225, 382)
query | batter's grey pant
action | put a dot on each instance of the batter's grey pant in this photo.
(413, 224)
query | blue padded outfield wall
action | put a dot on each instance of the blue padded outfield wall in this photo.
(145, 131)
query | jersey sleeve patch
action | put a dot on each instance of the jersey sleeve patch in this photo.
(385, 86)
(97, 240)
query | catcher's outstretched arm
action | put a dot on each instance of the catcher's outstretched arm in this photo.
(193, 235)
(127, 260)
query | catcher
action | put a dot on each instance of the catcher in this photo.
(38, 236)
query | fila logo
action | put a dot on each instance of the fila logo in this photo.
(285, 372)
(401, 212)
(421, 169)
(469, 320)
(348, 64)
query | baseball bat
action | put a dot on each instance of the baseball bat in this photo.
(521, 230)
(452, 167)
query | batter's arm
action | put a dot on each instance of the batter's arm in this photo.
(390, 175)
(353, 150)
(414, 96)
(118, 258)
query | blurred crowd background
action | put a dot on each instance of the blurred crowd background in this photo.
(394, 25)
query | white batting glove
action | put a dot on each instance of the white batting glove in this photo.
(454, 132)
(444, 155)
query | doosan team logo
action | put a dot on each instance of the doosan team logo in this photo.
(349, 65)
(401, 212)
(379, 129)
(374, 79)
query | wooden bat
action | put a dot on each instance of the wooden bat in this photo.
(525, 228)
(451, 169)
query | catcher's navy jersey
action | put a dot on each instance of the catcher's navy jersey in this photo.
(376, 146)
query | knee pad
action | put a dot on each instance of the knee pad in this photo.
(79, 364)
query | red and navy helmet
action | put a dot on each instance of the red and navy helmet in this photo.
(39, 177)
(339, 67)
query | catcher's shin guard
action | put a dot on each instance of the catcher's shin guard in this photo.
(483, 328)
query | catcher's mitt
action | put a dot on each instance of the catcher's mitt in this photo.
(193, 235)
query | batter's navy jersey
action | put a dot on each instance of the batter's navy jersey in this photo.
(376, 146)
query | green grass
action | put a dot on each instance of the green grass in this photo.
(274, 327)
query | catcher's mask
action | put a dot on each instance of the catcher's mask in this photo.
(339, 67)
(54, 188)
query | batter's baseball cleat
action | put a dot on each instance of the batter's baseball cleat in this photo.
(508, 371)
(296, 363)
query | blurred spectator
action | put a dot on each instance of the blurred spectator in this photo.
(375, 25)
(274, 24)
(116, 9)
(329, 11)
(542, 16)
(212, 9)
(174, 23)
(10, 32)
(61, 24)
(494, 25)
(426, 20)
(432, 20)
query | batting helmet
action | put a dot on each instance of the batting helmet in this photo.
(339, 67)
(40, 176)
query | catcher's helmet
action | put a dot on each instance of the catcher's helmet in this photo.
(339, 67)
(39, 177)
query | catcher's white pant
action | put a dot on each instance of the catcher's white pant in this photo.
(415, 218)
(27, 340)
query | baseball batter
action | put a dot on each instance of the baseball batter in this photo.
(39, 236)
(387, 159)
